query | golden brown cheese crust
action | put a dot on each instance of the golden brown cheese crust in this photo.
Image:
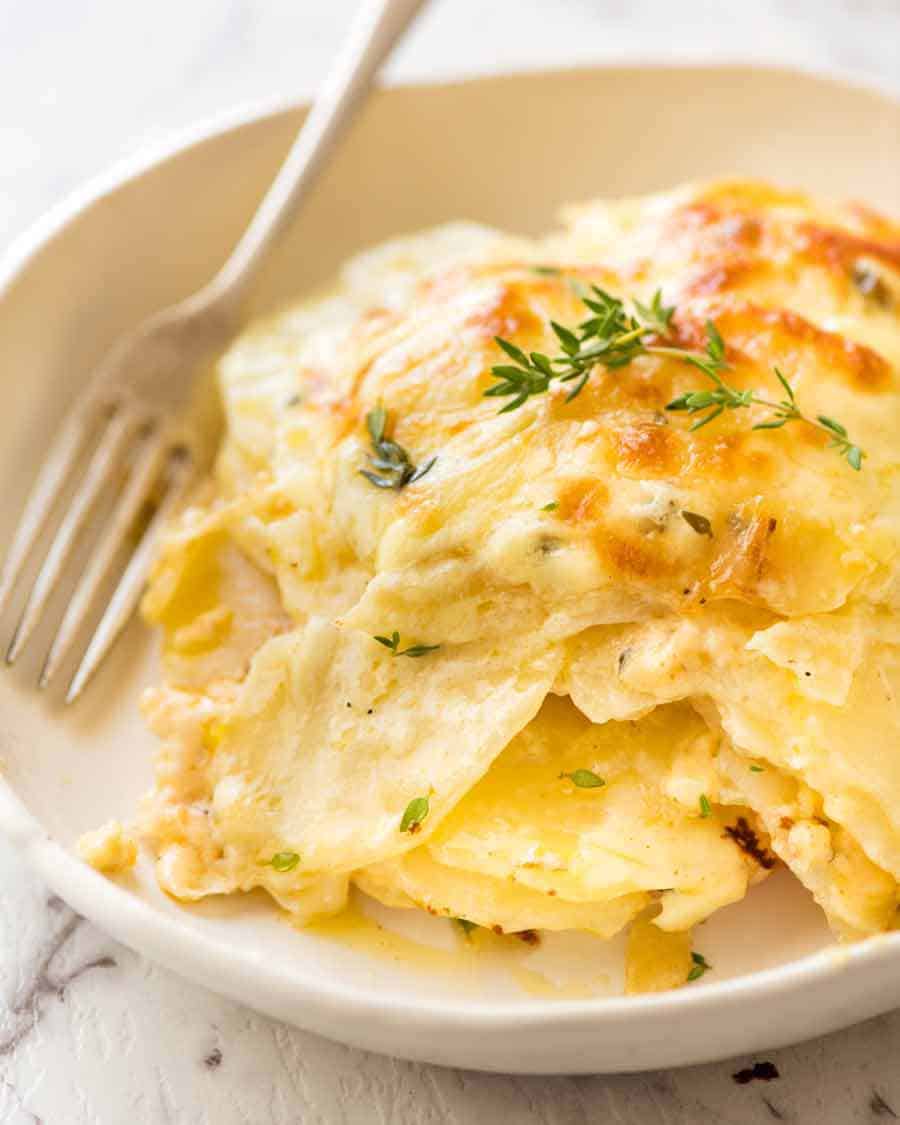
(741, 225)
(792, 529)
(432, 368)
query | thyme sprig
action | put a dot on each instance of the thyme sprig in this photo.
(393, 643)
(392, 466)
(612, 337)
(709, 404)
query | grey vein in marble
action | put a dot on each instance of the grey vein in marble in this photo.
(25, 1012)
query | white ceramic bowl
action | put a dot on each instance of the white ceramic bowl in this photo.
(505, 151)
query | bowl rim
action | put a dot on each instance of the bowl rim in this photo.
(173, 943)
(130, 167)
(170, 941)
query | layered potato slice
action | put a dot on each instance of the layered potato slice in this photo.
(321, 749)
(215, 606)
(857, 896)
(581, 815)
(191, 859)
(810, 706)
(417, 879)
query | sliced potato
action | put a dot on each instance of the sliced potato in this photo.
(593, 813)
(417, 879)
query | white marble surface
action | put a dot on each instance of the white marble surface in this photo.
(91, 1034)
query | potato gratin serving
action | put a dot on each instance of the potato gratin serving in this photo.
(551, 585)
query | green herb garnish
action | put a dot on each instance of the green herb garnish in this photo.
(757, 769)
(584, 779)
(393, 643)
(656, 317)
(391, 464)
(612, 337)
(284, 861)
(551, 507)
(709, 404)
(705, 807)
(698, 523)
(465, 925)
(699, 967)
(416, 811)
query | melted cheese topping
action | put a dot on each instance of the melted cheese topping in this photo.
(736, 690)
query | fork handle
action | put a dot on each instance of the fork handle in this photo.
(378, 25)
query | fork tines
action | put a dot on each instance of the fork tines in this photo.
(122, 446)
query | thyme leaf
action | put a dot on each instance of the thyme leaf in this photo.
(415, 813)
(699, 967)
(284, 861)
(698, 523)
(417, 650)
(392, 466)
(656, 315)
(705, 807)
(584, 779)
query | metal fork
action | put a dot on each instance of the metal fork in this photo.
(131, 424)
